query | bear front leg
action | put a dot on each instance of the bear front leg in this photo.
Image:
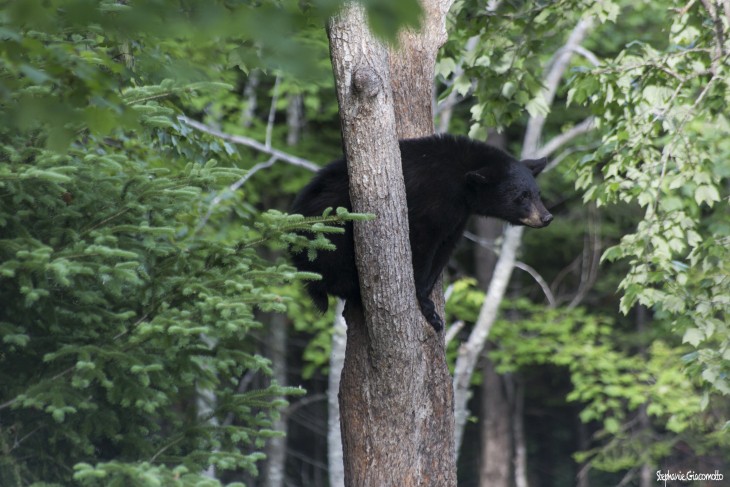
(429, 312)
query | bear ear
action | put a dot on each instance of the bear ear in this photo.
(535, 165)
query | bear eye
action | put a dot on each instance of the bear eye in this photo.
(524, 195)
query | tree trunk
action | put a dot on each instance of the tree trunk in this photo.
(469, 351)
(412, 68)
(294, 119)
(276, 447)
(495, 467)
(518, 433)
(334, 438)
(394, 402)
(496, 462)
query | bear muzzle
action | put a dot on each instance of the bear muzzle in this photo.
(538, 218)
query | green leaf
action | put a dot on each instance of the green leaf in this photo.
(706, 194)
(693, 336)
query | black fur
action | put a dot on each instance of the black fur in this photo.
(447, 179)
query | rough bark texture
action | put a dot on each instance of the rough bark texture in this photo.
(412, 65)
(395, 408)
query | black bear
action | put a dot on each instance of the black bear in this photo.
(447, 179)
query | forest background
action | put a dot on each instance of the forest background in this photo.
(153, 332)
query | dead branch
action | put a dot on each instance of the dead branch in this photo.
(249, 142)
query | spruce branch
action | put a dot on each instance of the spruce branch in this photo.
(232, 188)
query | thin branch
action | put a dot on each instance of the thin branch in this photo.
(520, 265)
(592, 58)
(306, 401)
(17, 442)
(560, 140)
(453, 331)
(714, 12)
(591, 258)
(651, 210)
(162, 450)
(444, 110)
(243, 384)
(249, 142)
(559, 158)
(539, 280)
(630, 475)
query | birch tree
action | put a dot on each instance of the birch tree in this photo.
(470, 351)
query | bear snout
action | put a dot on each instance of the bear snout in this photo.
(538, 217)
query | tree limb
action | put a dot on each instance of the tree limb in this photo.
(233, 187)
(558, 141)
(520, 265)
(249, 142)
(452, 331)
(552, 80)
(470, 350)
(539, 280)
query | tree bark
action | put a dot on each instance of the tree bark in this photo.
(394, 403)
(518, 433)
(412, 66)
(334, 437)
(276, 447)
(496, 461)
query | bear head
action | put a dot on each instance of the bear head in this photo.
(507, 190)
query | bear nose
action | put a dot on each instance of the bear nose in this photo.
(547, 219)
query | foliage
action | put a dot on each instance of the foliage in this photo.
(128, 281)
(503, 63)
(664, 148)
(613, 384)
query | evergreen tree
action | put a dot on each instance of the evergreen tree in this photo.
(128, 282)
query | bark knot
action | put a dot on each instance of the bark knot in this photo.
(366, 81)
